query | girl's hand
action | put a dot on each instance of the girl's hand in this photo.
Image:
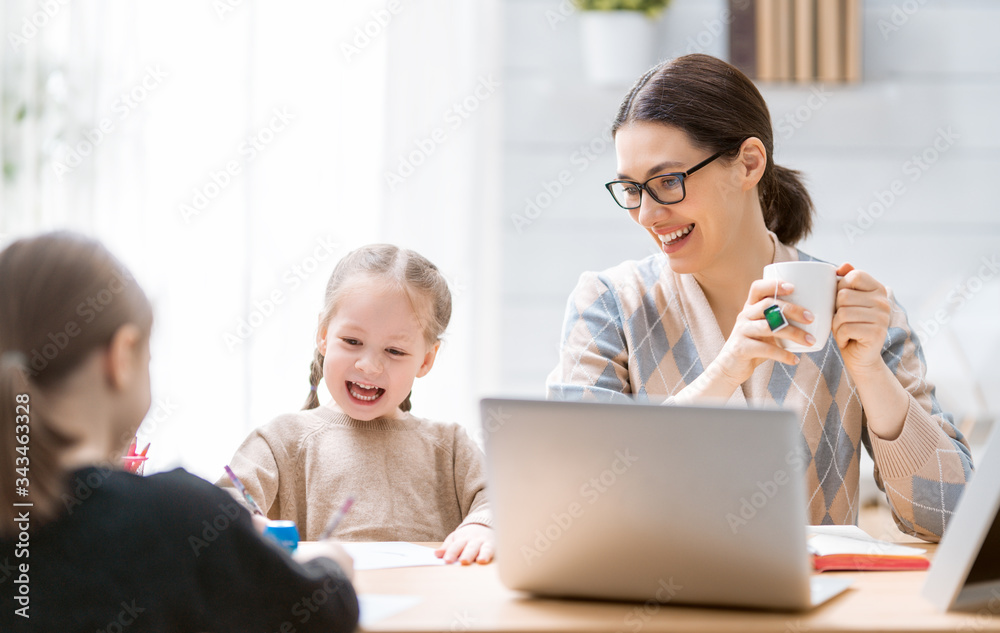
(860, 320)
(752, 342)
(468, 544)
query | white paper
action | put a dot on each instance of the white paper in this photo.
(825, 540)
(377, 606)
(390, 554)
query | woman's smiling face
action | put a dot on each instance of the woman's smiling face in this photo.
(692, 232)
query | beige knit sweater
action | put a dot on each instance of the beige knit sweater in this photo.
(412, 479)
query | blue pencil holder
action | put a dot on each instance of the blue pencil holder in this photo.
(284, 533)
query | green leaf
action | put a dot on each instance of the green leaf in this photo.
(651, 8)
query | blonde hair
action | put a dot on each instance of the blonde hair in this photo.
(411, 272)
(64, 295)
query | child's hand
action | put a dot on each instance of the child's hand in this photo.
(259, 522)
(468, 544)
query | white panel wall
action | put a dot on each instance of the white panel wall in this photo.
(934, 78)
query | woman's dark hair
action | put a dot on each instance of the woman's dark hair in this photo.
(64, 296)
(719, 107)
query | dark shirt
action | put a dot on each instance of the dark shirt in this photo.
(171, 553)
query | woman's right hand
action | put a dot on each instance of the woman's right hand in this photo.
(752, 342)
(331, 550)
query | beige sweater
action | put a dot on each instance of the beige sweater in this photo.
(412, 479)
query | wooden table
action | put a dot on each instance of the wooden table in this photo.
(472, 598)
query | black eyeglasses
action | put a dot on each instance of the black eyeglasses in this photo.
(665, 188)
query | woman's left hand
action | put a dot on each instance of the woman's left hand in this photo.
(469, 543)
(860, 320)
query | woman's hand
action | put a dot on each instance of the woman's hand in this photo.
(752, 342)
(860, 321)
(860, 325)
(469, 543)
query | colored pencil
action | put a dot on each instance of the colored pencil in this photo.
(337, 517)
(243, 491)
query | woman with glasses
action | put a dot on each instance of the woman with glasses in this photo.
(694, 145)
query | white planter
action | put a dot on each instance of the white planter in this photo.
(617, 46)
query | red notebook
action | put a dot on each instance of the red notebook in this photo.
(849, 548)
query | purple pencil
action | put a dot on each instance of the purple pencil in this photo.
(243, 491)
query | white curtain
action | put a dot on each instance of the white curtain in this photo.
(230, 152)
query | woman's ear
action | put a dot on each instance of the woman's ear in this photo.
(124, 356)
(752, 161)
(428, 360)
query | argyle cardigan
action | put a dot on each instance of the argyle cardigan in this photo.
(643, 332)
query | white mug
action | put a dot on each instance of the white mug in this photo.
(815, 290)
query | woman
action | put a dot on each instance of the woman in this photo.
(694, 145)
(96, 548)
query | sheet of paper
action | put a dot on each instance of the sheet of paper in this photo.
(390, 554)
(378, 606)
(825, 540)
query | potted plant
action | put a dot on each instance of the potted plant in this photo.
(618, 38)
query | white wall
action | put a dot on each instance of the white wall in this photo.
(940, 70)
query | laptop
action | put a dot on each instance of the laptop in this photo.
(637, 502)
